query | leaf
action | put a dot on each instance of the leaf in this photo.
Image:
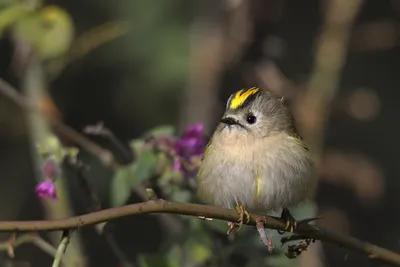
(120, 189)
(145, 167)
(163, 130)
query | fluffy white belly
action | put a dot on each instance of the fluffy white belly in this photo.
(262, 182)
(263, 192)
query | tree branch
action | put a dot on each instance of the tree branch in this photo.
(162, 206)
(66, 236)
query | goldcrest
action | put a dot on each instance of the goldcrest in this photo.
(255, 161)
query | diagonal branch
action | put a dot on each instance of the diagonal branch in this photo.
(162, 206)
(66, 236)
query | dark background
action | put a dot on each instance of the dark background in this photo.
(146, 78)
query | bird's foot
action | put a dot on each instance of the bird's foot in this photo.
(260, 223)
(231, 228)
(290, 223)
(244, 216)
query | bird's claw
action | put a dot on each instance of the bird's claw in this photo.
(290, 223)
(231, 228)
(244, 216)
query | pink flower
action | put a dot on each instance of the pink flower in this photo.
(192, 142)
(46, 189)
(184, 148)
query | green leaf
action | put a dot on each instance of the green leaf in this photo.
(145, 167)
(163, 130)
(120, 189)
(127, 177)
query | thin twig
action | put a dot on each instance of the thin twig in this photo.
(162, 206)
(100, 130)
(62, 248)
(151, 194)
(30, 238)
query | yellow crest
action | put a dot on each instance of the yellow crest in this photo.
(241, 96)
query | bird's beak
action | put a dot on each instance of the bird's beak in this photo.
(229, 121)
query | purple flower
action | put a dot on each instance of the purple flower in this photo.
(46, 189)
(192, 142)
(184, 150)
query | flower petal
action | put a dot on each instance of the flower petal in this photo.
(46, 189)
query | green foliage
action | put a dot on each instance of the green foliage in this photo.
(144, 168)
(149, 163)
(120, 190)
(128, 177)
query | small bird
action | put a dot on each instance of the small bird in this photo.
(255, 160)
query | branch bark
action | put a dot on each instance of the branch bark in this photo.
(162, 206)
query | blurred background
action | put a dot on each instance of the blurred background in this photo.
(158, 66)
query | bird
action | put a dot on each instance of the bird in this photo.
(255, 161)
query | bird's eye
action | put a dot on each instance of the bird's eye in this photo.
(251, 119)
